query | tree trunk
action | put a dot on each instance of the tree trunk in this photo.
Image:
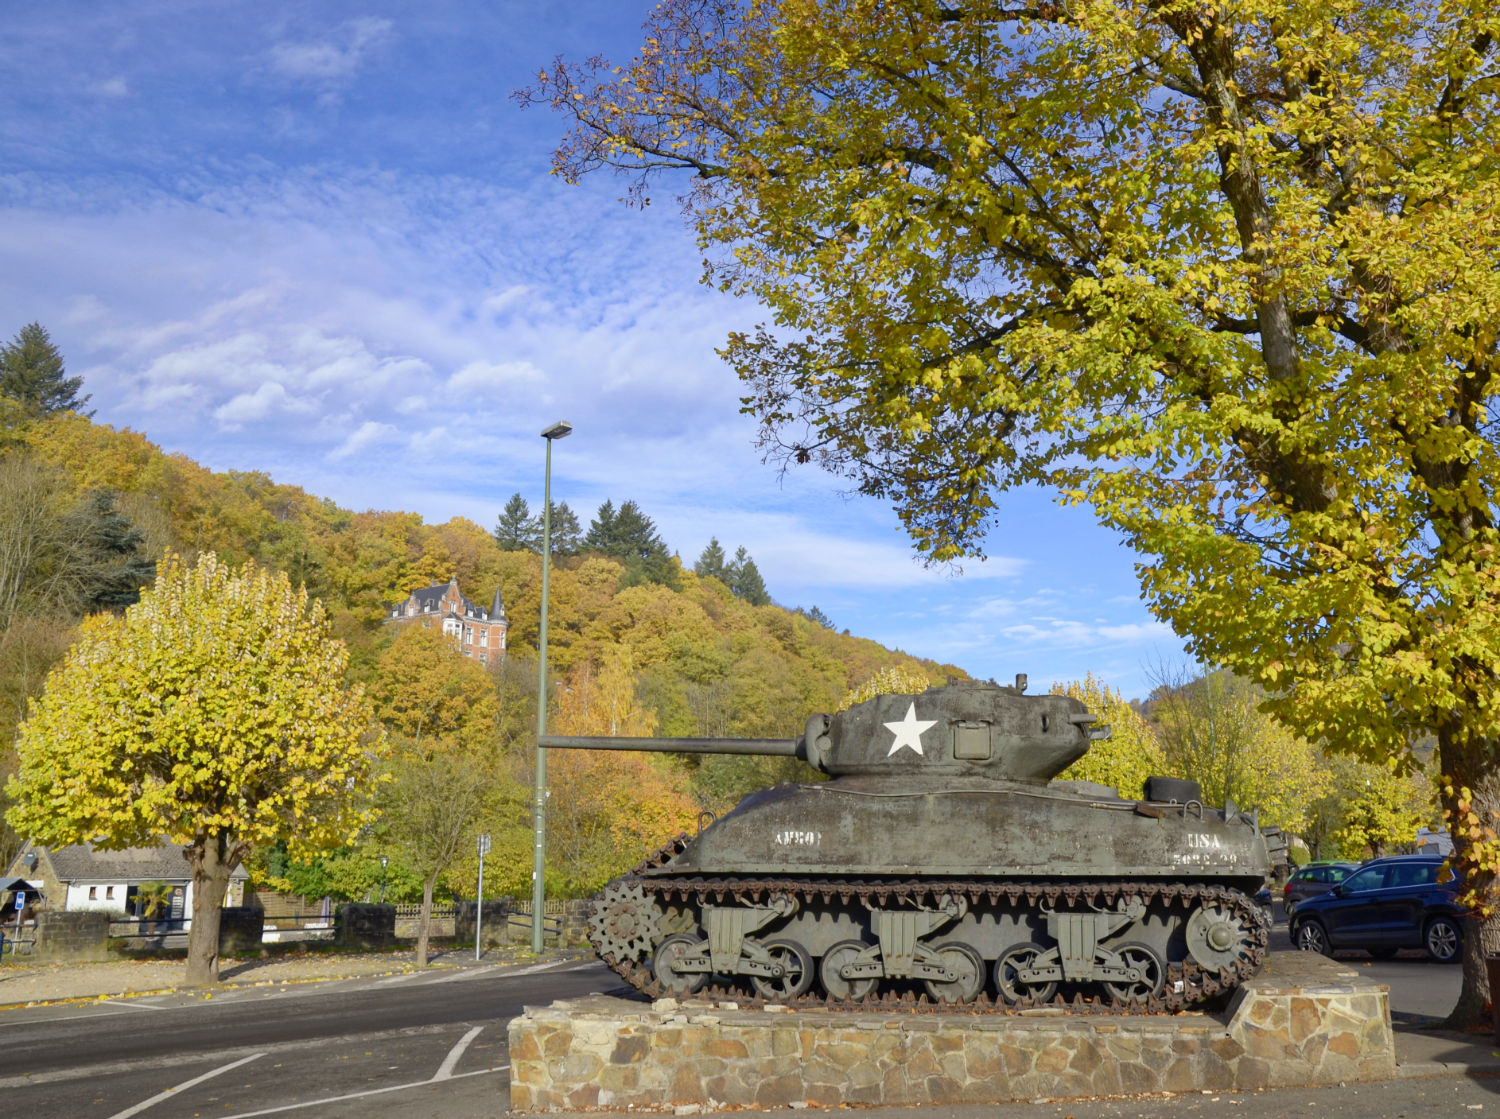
(209, 858)
(424, 922)
(1469, 765)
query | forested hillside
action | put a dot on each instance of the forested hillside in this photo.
(636, 644)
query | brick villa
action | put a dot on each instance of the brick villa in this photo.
(480, 633)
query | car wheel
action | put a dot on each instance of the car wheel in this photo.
(1443, 940)
(1310, 937)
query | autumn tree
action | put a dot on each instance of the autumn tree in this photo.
(1212, 729)
(212, 713)
(1221, 270)
(31, 372)
(1129, 755)
(446, 771)
(1368, 809)
(607, 810)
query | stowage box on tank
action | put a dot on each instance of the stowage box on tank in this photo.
(941, 863)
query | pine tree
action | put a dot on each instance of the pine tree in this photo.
(710, 564)
(567, 534)
(601, 534)
(113, 569)
(517, 530)
(745, 580)
(31, 371)
(816, 615)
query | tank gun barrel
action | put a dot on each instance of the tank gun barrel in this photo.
(778, 747)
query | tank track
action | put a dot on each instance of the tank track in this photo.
(1187, 983)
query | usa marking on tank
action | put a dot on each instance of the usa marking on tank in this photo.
(798, 838)
(1203, 839)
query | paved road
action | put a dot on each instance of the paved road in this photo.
(433, 1044)
(428, 1044)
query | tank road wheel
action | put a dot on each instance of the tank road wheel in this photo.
(964, 962)
(843, 953)
(666, 966)
(1011, 986)
(1152, 977)
(796, 971)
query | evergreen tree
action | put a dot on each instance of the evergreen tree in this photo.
(113, 570)
(745, 580)
(710, 564)
(601, 534)
(816, 615)
(517, 530)
(567, 534)
(31, 371)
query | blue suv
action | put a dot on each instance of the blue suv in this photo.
(1403, 901)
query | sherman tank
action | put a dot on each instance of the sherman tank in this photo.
(941, 865)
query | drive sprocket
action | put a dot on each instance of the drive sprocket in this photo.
(624, 923)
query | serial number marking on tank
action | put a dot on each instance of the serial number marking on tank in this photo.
(1195, 859)
(798, 838)
(1203, 839)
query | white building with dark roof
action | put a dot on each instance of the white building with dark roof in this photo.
(480, 633)
(81, 877)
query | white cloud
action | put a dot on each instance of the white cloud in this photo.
(112, 88)
(369, 434)
(494, 376)
(270, 399)
(330, 61)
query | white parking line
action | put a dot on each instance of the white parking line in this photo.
(362, 1095)
(450, 1062)
(133, 1005)
(194, 1082)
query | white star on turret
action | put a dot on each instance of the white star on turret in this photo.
(909, 730)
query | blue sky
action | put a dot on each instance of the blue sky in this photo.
(322, 242)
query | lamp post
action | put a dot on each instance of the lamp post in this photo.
(384, 859)
(539, 804)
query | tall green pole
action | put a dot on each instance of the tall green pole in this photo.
(539, 798)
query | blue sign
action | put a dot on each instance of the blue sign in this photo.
(20, 900)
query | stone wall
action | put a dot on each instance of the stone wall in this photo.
(566, 922)
(1304, 1020)
(240, 930)
(366, 926)
(72, 937)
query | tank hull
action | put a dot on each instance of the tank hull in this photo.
(985, 830)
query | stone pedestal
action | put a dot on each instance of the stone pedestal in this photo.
(1304, 1020)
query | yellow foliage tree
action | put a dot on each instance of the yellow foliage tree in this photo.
(607, 811)
(1213, 731)
(212, 713)
(1129, 755)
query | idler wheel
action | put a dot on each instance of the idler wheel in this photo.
(1152, 974)
(796, 971)
(967, 964)
(842, 954)
(624, 922)
(1008, 981)
(667, 965)
(1217, 937)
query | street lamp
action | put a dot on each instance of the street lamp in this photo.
(383, 860)
(539, 804)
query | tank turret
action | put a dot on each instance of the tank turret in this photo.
(942, 862)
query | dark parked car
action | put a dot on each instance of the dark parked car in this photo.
(1311, 879)
(1404, 901)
